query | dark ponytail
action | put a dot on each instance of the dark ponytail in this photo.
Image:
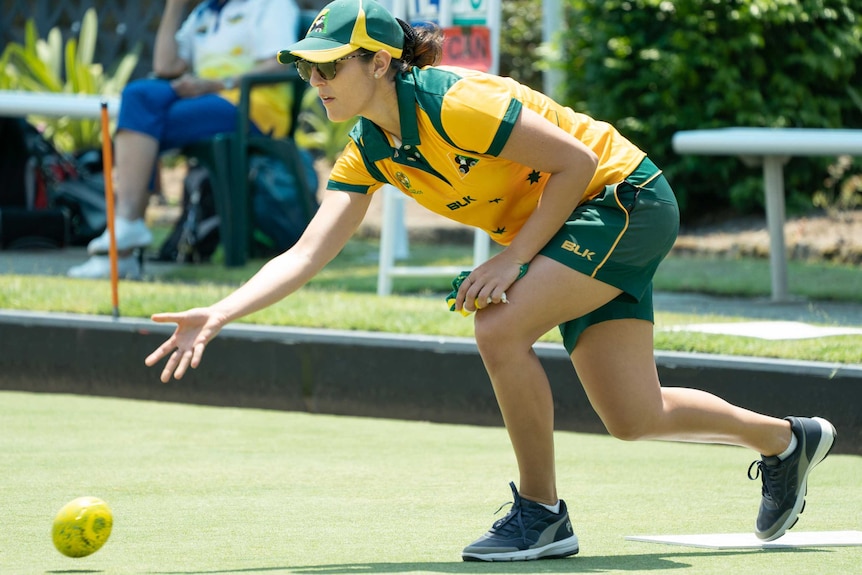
(423, 45)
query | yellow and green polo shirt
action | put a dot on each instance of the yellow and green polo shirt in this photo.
(454, 123)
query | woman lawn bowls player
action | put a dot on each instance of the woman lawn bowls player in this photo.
(585, 218)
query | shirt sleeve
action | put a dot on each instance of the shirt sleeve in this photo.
(349, 174)
(479, 113)
(185, 35)
(277, 27)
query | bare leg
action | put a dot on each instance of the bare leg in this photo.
(505, 334)
(136, 155)
(614, 361)
(528, 413)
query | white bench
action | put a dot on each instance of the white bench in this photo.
(20, 104)
(771, 147)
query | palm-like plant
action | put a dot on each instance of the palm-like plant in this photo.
(38, 66)
(317, 132)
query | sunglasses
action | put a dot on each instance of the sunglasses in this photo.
(325, 69)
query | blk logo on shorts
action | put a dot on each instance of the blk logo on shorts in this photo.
(573, 247)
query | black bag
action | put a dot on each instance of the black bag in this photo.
(279, 213)
(23, 229)
(196, 234)
(42, 183)
(13, 163)
(30, 166)
(279, 218)
(83, 199)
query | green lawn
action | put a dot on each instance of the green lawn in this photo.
(226, 490)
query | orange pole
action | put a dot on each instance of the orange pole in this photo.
(107, 167)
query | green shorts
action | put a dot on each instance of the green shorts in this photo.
(619, 238)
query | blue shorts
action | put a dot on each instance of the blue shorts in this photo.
(150, 106)
(619, 238)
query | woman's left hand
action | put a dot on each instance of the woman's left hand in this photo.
(487, 284)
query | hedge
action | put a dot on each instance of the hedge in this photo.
(653, 67)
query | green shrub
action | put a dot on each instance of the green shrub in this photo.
(521, 41)
(50, 66)
(841, 190)
(654, 67)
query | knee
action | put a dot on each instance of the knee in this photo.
(483, 331)
(493, 336)
(632, 428)
(139, 90)
(149, 95)
(144, 106)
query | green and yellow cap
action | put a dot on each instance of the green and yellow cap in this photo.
(344, 26)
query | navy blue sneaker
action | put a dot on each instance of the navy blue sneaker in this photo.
(529, 531)
(786, 482)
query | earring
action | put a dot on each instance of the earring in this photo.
(377, 75)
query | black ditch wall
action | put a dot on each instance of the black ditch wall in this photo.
(379, 375)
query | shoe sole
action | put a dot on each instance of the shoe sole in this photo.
(826, 430)
(556, 550)
(123, 250)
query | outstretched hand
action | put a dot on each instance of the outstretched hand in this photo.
(195, 328)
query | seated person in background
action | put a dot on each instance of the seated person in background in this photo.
(198, 63)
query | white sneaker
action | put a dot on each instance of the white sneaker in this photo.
(99, 267)
(130, 235)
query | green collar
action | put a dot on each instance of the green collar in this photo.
(405, 87)
(374, 144)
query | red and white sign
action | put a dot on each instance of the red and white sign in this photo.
(468, 47)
